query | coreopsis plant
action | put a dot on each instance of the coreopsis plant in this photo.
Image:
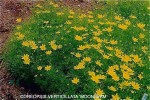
(65, 51)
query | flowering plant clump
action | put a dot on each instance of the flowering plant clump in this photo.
(64, 51)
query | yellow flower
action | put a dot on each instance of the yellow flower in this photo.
(115, 77)
(140, 76)
(118, 53)
(141, 25)
(26, 59)
(126, 83)
(20, 36)
(59, 13)
(95, 78)
(134, 39)
(136, 58)
(70, 16)
(75, 80)
(123, 26)
(80, 66)
(97, 39)
(52, 42)
(47, 68)
(54, 46)
(79, 38)
(90, 21)
(135, 85)
(100, 16)
(91, 73)
(98, 63)
(97, 33)
(82, 16)
(96, 27)
(43, 47)
(113, 42)
(39, 67)
(99, 92)
(31, 43)
(144, 49)
(34, 46)
(68, 22)
(25, 43)
(127, 72)
(118, 18)
(141, 35)
(125, 58)
(25, 56)
(48, 52)
(115, 97)
(126, 75)
(112, 88)
(109, 48)
(18, 20)
(81, 47)
(127, 22)
(109, 29)
(87, 46)
(81, 28)
(112, 73)
(88, 59)
(78, 55)
(96, 46)
(106, 56)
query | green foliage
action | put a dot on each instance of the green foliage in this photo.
(70, 52)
